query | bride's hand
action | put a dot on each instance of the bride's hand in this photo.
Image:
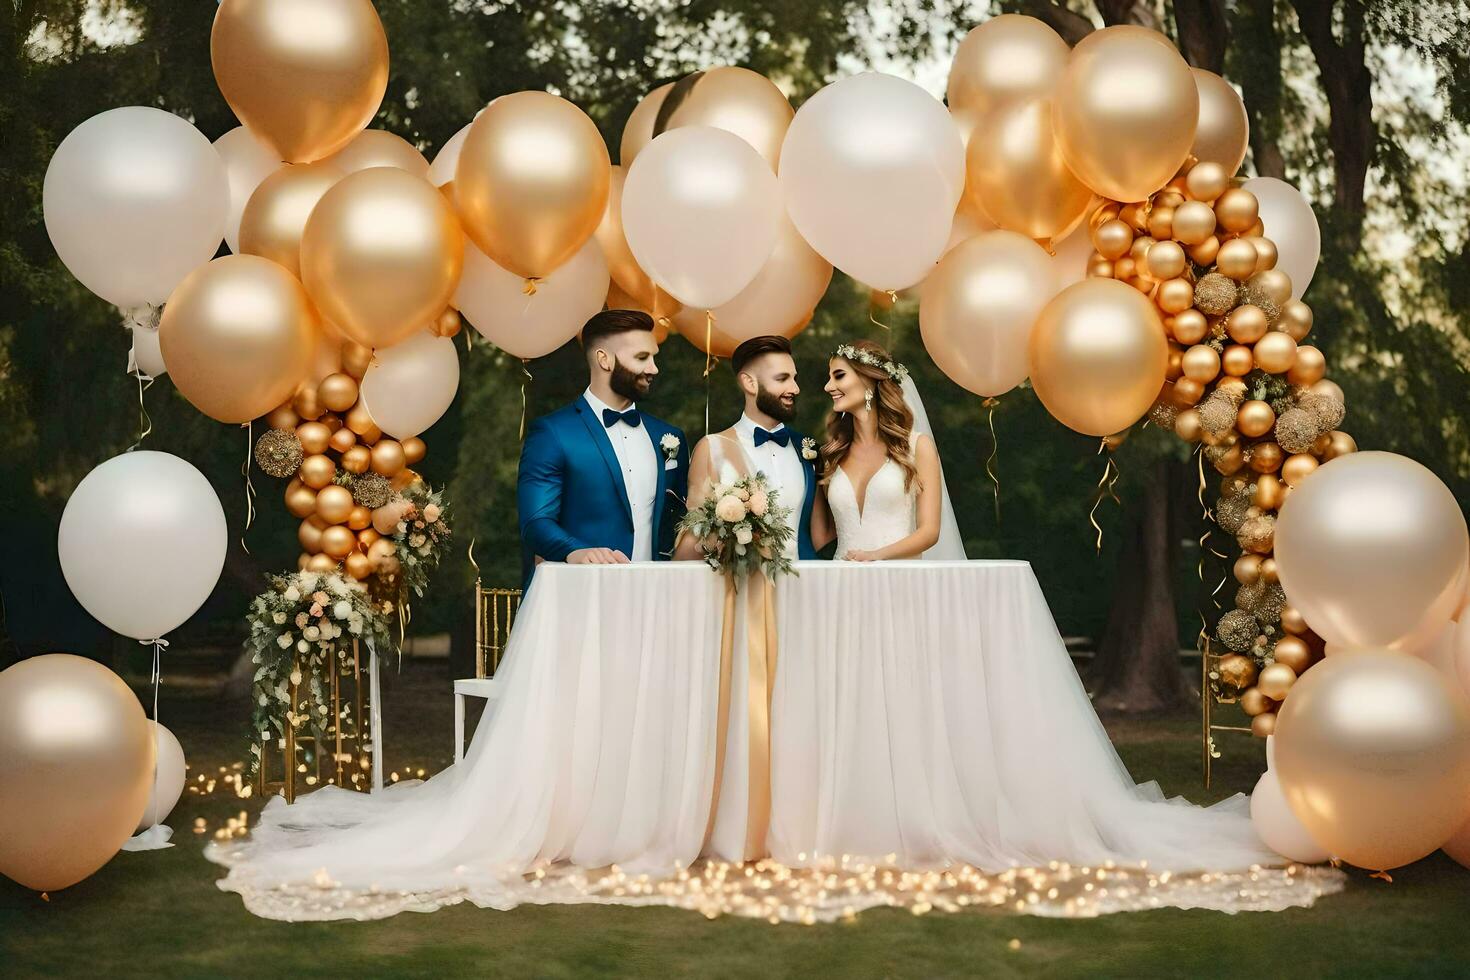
(856, 555)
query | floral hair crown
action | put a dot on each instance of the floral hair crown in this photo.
(894, 370)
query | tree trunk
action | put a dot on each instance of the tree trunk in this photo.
(1137, 669)
(1204, 33)
(1349, 88)
(1256, 60)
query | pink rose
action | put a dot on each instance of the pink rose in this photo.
(316, 609)
(431, 513)
(758, 503)
(730, 509)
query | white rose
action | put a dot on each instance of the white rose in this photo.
(279, 619)
(284, 641)
(743, 534)
(342, 609)
(730, 509)
(302, 646)
(312, 633)
(292, 595)
(295, 677)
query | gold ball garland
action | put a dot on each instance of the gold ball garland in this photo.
(1326, 410)
(1258, 534)
(278, 453)
(1217, 414)
(1215, 295)
(1237, 629)
(1297, 430)
(371, 490)
(1231, 512)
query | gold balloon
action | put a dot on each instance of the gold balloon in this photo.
(388, 457)
(1266, 254)
(414, 450)
(1296, 320)
(736, 100)
(237, 335)
(1188, 391)
(1194, 222)
(1268, 570)
(309, 534)
(1275, 353)
(356, 359)
(1267, 457)
(1339, 444)
(1275, 680)
(367, 536)
(304, 76)
(1308, 368)
(1237, 360)
(1236, 210)
(338, 541)
(1125, 111)
(1187, 425)
(317, 471)
(357, 459)
(1293, 622)
(1161, 220)
(1274, 283)
(447, 324)
(381, 255)
(283, 417)
(1224, 129)
(300, 499)
(359, 566)
(1293, 653)
(379, 148)
(276, 213)
(1166, 260)
(638, 130)
(1003, 61)
(315, 437)
(338, 392)
(1190, 327)
(1015, 172)
(1264, 724)
(1237, 259)
(624, 269)
(1373, 753)
(1270, 492)
(1248, 569)
(1175, 295)
(1246, 324)
(343, 439)
(1205, 252)
(532, 182)
(1255, 419)
(76, 764)
(1207, 180)
(1098, 355)
(1254, 703)
(1112, 239)
(359, 518)
(334, 504)
(321, 563)
(306, 404)
(1201, 363)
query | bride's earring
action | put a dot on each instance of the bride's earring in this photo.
(868, 400)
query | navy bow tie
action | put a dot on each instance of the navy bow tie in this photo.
(781, 438)
(611, 418)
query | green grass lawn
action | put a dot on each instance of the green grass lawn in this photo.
(159, 913)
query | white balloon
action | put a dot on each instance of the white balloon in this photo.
(410, 385)
(247, 162)
(147, 356)
(1279, 828)
(784, 293)
(134, 200)
(1291, 224)
(872, 170)
(1270, 751)
(495, 303)
(168, 778)
(142, 542)
(441, 170)
(701, 211)
(969, 221)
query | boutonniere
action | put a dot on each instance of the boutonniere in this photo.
(808, 448)
(670, 445)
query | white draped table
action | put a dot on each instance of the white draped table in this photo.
(922, 715)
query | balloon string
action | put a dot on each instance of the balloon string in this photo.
(892, 298)
(158, 643)
(1103, 489)
(709, 361)
(526, 380)
(991, 403)
(144, 422)
(469, 339)
(529, 286)
(471, 555)
(249, 428)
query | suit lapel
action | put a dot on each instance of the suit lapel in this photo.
(598, 433)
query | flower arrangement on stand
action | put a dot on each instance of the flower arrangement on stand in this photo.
(744, 529)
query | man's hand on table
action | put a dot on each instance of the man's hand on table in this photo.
(597, 556)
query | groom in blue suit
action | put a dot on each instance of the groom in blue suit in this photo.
(602, 483)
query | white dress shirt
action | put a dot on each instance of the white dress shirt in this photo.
(639, 461)
(781, 466)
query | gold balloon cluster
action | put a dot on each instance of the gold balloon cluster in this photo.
(343, 489)
(1242, 383)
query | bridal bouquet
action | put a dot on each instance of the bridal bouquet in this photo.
(743, 528)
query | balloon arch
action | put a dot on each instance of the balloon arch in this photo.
(1073, 216)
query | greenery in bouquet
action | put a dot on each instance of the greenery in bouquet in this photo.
(743, 528)
(422, 536)
(301, 628)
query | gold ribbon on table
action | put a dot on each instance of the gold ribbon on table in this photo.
(760, 627)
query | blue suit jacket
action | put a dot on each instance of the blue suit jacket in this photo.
(570, 491)
(804, 549)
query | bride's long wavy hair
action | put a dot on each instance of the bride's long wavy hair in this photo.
(895, 418)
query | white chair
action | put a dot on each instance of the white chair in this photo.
(495, 611)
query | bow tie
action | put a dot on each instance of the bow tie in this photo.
(781, 438)
(611, 418)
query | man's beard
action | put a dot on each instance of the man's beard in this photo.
(632, 385)
(772, 405)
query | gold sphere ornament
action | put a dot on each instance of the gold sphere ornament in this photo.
(1258, 534)
(1309, 368)
(1165, 413)
(300, 499)
(359, 565)
(1231, 513)
(356, 359)
(1175, 295)
(1205, 252)
(317, 471)
(1190, 327)
(1340, 444)
(1273, 283)
(1201, 363)
(343, 439)
(278, 453)
(358, 419)
(448, 323)
(1293, 653)
(315, 437)
(1187, 391)
(283, 417)
(1237, 209)
(1226, 459)
(1099, 267)
(1264, 724)
(1236, 672)
(1206, 181)
(1297, 468)
(381, 550)
(1218, 413)
(1266, 457)
(1112, 239)
(1266, 254)
(1295, 320)
(323, 564)
(1246, 324)
(1187, 425)
(359, 518)
(1276, 679)
(1124, 269)
(1275, 352)
(1293, 622)
(1138, 251)
(1254, 703)
(1268, 570)
(1194, 222)
(338, 541)
(1166, 260)
(1233, 389)
(338, 392)
(302, 560)
(367, 536)
(309, 534)
(1255, 419)
(1236, 259)
(1237, 360)
(1297, 430)
(1161, 220)
(334, 504)
(1326, 410)
(1270, 492)
(1248, 569)
(414, 450)
(357, 459)
(388, 457)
